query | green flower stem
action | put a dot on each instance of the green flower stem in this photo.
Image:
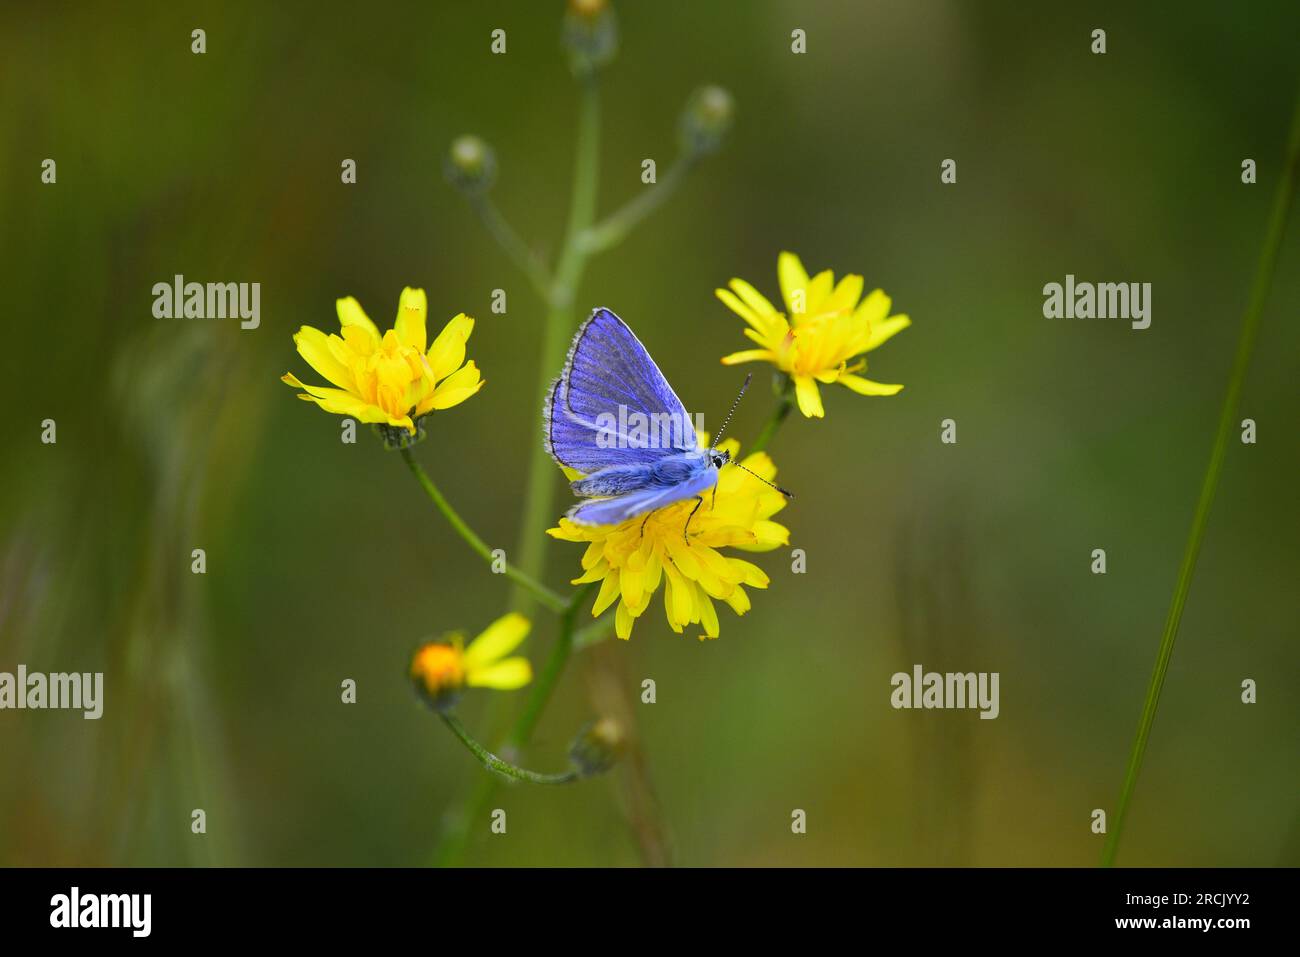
(539, 487)
(784, 405)
(504, 768)
(525, 258)
(613, 229)
(581, 241)
(455, 832)
(560, 324)
(1227, 416)
(541, 689)
(539, 591)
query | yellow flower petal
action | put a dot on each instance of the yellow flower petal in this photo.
(739, 601)
(456, 388)
(683, 557)
(608, 593)
(670, 604)
(708, 615)
(760, 463)
(654, 570)
(681, 596)
(594, 574)
(314, 346)
(631, 585)
(592, 557)
(497, 640)
(758, 303)
(358, 341)
(338, 401)
(874, 308)
(820, 288)
(504, 675)
(810, 400)
(753, 575)
(846, 295)
(748, 355)
(762, 325)
(768, 535)
(886, 329)
(351, 315)
(866, 386)
(411, 311)
(448, 350)
(566, 531)
(623, 622)
(791, 274)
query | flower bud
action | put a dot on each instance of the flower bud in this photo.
(471, 164)
(597, 747)
(590, 36)
(438, 672)
(705, 120)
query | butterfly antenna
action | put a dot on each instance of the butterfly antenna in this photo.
(764, 481)
(735, 402)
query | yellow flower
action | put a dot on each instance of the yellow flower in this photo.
(443, 669)
(830, 327)
(632, 559)
(388, 379)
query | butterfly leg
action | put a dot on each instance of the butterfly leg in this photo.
(646, 519)
(686, 532)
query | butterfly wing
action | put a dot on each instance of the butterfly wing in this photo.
(608, 371)
(616, 510)
(583, 445)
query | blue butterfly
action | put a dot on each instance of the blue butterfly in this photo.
(612, 416)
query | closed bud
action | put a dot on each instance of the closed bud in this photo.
(597, 747)
(706, 120)
(590, 36)
(471, 164)
(438, 673)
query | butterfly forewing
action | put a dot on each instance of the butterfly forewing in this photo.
(608, 371)
(577, 443)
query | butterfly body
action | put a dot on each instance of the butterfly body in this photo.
(608, 381)
(668, 472)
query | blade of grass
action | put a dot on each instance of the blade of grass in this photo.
(1245, 346)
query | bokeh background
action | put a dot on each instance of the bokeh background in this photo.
(325, 561)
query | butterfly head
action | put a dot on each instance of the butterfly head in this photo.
(719, 458)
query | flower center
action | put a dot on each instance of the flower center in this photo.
(439, 666)
(393, 377)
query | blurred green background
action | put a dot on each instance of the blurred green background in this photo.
(325, 561)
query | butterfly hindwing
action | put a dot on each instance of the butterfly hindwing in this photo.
(612, 511)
